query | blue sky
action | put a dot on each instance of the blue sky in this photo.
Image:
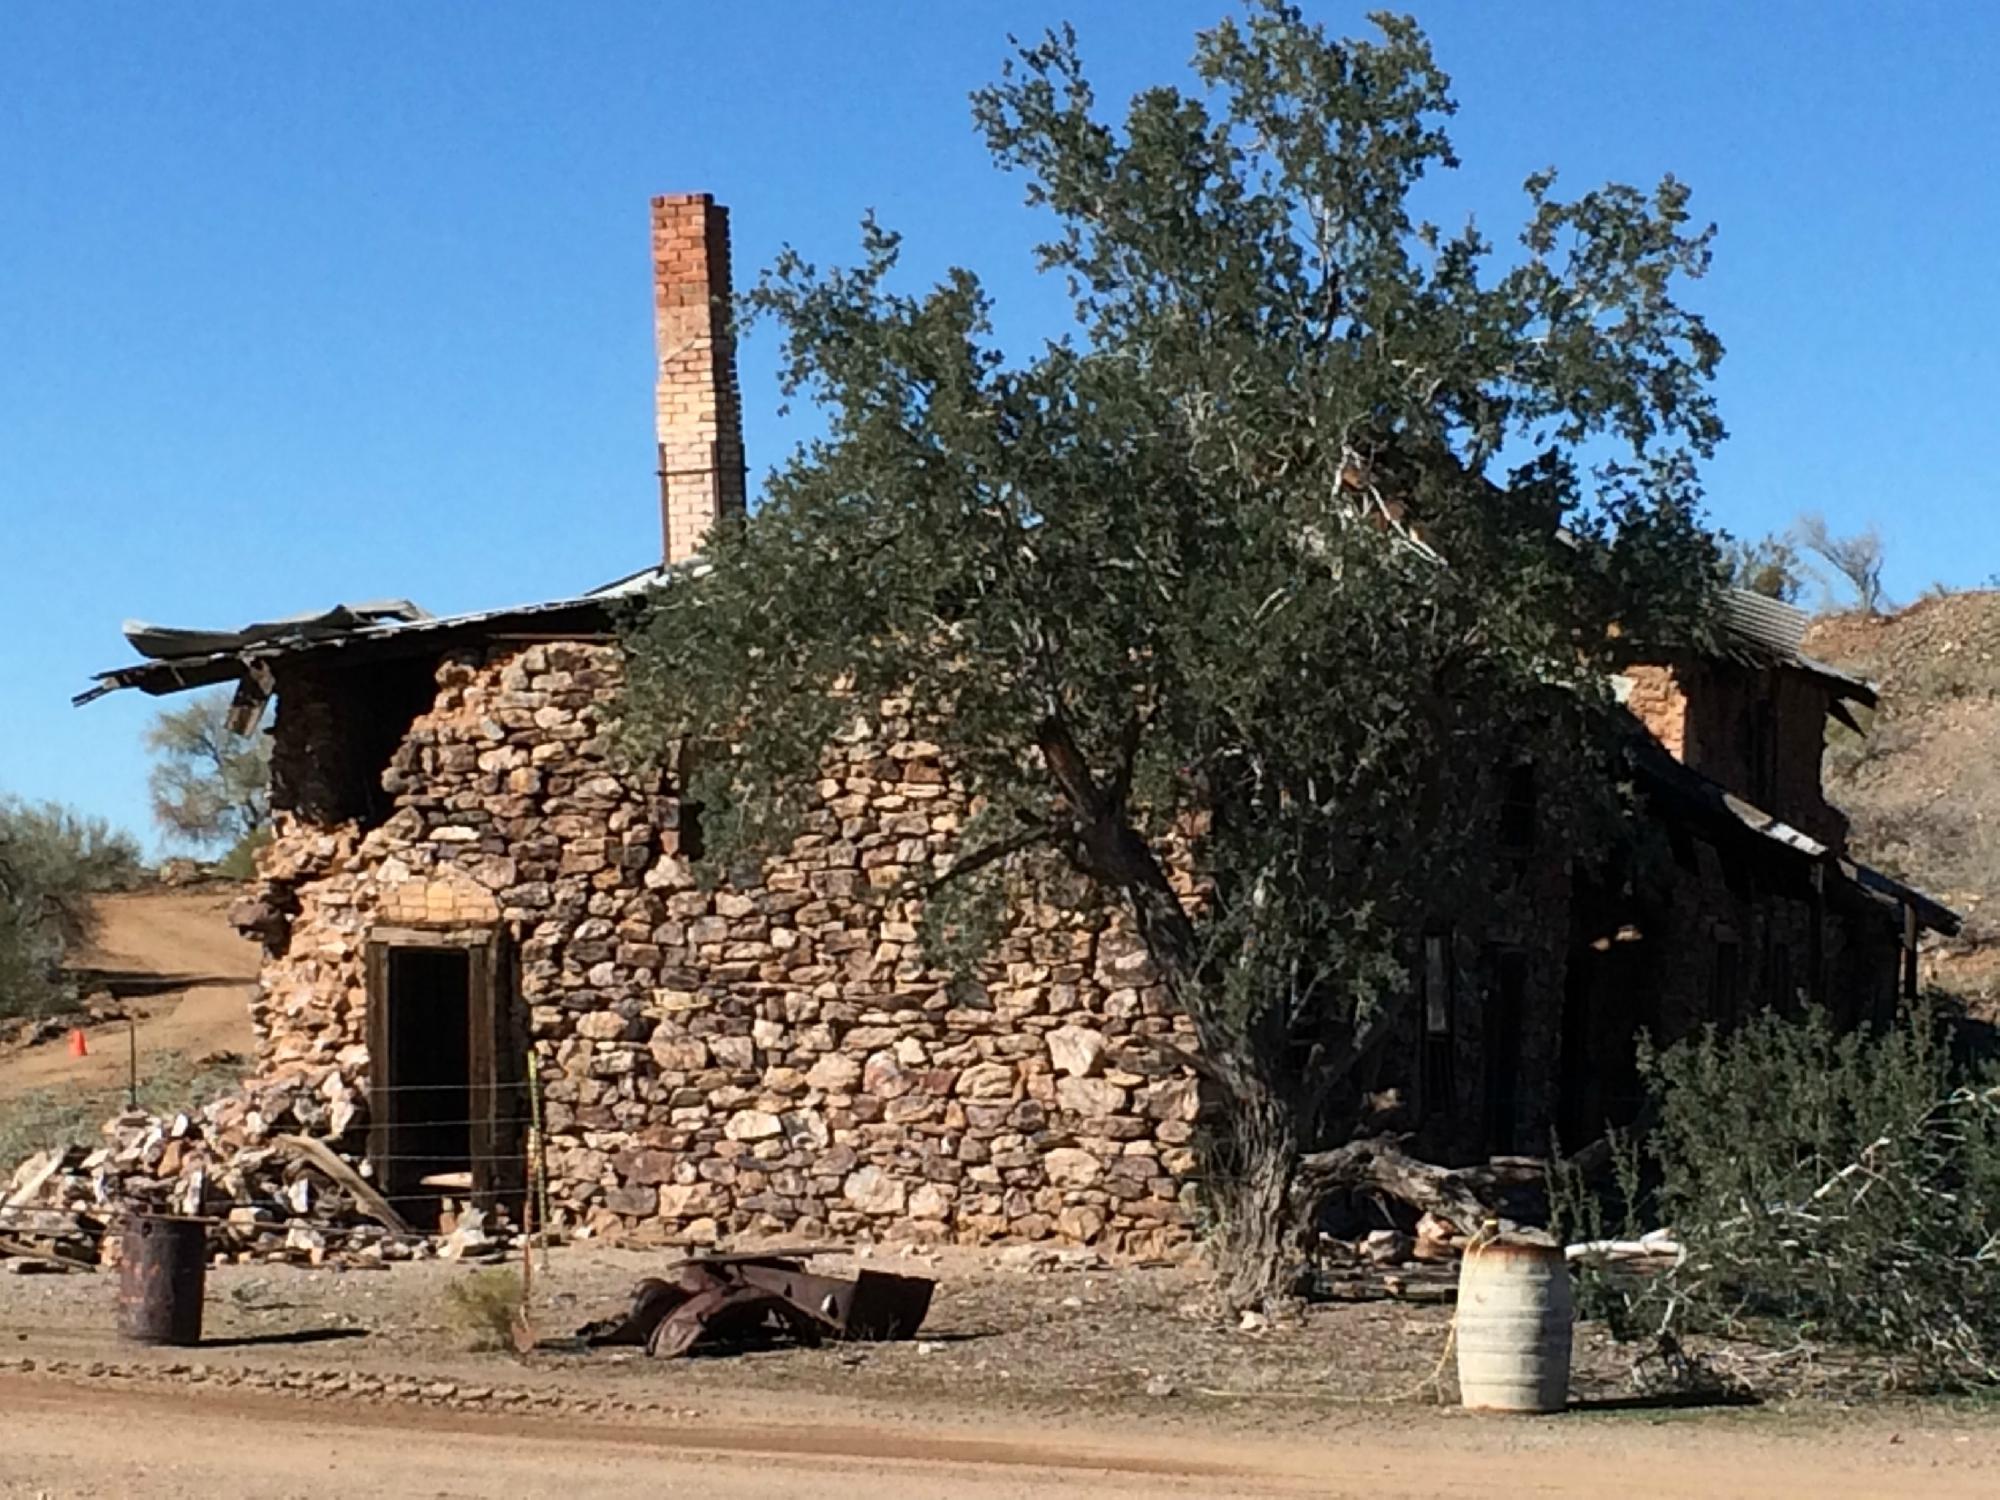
(310, 303)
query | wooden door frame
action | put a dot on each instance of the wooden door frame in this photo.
(489, 1075)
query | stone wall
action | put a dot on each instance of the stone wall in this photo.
(774, 1058)
(1654, 695)
(1761, 732)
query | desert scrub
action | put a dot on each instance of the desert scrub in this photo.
(52, 860)
(45, 1118)
(1830, 1190)
(482, 1306)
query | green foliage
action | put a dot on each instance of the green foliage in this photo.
(1232, 579)
(1581, 1213)
(1832, 1189)
(51, 860)
(240, 863)
(1769, 566)
(482, 1305)
(211, 786)
(43, 1119)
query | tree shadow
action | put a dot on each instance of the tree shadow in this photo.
(132, 984)
(1668, 1401)
(295, 1336)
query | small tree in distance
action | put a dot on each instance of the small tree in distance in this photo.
(1227, 592)
(1769, 567)
(52, 860)
(1857, 559)
(211, 786)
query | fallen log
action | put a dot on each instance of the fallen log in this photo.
(1653, 1245)
(1379, 1163)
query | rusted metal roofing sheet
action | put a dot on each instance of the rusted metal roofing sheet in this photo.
(1654, 764)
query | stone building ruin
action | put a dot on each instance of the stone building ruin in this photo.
(465, 875)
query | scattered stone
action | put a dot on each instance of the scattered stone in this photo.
(1387, 1247)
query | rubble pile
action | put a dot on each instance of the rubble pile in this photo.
(234, 1162)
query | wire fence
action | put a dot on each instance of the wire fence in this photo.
(517, 1178)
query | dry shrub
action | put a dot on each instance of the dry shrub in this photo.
(1832, 1192)
(482, 1305)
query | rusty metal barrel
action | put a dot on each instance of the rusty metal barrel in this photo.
(1513, 1325)
(161, 1280)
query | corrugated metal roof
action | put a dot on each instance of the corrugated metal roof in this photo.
(1763, 630)
(586, 613)
(1765, 621)
(1663, 770)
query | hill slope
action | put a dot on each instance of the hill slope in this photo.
(182, 972)
(1923, 787)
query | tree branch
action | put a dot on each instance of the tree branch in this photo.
(980, 858)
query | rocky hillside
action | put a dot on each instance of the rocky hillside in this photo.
(1923, 786)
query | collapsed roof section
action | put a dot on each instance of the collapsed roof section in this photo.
(183, 659)
(1671, 785)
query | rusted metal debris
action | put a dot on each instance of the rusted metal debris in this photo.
(741, 1301)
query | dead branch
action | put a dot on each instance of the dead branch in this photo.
(1380, 1163)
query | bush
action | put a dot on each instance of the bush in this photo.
(482, 1305)
(240, 863)
(52, 860)
(1827, 1190)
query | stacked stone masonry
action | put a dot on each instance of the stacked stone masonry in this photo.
(770, 1058)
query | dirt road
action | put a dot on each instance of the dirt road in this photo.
(172, 957)
(86, 1440)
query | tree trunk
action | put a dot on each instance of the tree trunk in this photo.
(1259, 1242)
(1264, 1194)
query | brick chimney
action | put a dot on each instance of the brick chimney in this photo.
(699, 414)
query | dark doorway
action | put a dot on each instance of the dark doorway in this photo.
(1610, 994)
(1504, 1004)
(430, 1041)
(440, 1101)
(1580, 1098)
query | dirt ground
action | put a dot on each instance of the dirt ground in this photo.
(1030, 1383)
(1922, 786)
(1079, 1380)
(119, 1442)
(177, 965)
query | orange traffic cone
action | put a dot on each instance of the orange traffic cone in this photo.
(78, 1047)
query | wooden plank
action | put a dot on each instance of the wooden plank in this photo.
(320, 1155)
(481, 1015)
(28, 1252)
(381, 1131)
(26, 1192)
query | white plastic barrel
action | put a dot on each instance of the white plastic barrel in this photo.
(1514, 1317)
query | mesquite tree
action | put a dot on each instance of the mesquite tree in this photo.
(211, 785)
(1242, 601)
